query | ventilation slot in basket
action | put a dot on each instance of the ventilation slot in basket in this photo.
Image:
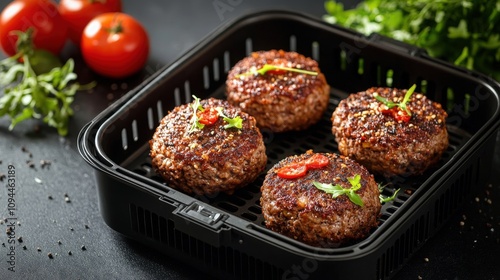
(454, 196)
(394, 257)
(232, 263)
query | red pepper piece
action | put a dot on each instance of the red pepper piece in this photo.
(208, 116)
(292, 171)
(397, 114)
(299, 169)
(316, 161)
(276, 72)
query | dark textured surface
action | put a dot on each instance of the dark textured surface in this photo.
(467, 247)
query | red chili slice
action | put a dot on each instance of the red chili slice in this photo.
(317, 161)
(276, 72)
(292, 171)
(397, 114)
(208, 116)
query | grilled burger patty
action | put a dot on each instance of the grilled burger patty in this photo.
(297, 209)
(385, 145)
(279, 100)
(211, 159)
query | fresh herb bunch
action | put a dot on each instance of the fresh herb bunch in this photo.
(463, 32)
(197, 121)
(30, 94)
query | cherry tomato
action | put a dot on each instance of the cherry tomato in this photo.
(208, 116)
(50, 30)
(317, 161)
(292, 171)
(115, 45)
(78, 13)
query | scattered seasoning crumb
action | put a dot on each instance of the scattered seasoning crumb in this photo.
(2, 177)
(25, 150)
(44, 163)
(24, 247)
(462, 223)
(419, 277)
(59, 242)
(38, 249)
(87, 226)
(20, 239)
(3, 244)
(70, 253)
(18, 223)
(50, 197)
(50, 255)
(84, 248)
(476, 199)
(38, 180)
(30, 164)
(67, 199)
(426, 259)
(72, 229)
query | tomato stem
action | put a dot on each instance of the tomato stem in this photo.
(116, 26)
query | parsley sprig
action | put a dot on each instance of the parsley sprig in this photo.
(337, 190)
(236, 122)
(401, 105)
(31, 95)
(195, 120)
(385, 199)
(269, 67)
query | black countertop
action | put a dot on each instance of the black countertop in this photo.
(48, 168)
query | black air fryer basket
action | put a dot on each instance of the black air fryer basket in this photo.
(224, 235)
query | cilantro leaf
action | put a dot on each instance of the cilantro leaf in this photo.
(337, 190)
(236, 122)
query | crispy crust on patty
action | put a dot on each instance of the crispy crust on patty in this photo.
(297, 209)
(387, 146)
(279, 102)
(209, 160)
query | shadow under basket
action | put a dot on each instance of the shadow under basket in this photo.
(224, 235)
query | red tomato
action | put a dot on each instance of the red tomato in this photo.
(317, 161)
(292, 171)
(50, 30)
(115, 45)
(78, 13)
(208, 116)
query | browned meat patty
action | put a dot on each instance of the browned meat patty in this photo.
(211, 159)
(385, 145)
(280, 100)
(298, 209)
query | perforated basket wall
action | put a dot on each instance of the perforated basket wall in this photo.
(224, 235)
